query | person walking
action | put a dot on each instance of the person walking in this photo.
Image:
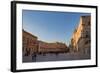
(34, 57)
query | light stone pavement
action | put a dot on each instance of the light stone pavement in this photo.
(56, 57)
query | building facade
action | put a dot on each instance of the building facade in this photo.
(55, 47)
(30, 43)
(81, 39)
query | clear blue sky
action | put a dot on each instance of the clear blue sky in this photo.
(51, 26)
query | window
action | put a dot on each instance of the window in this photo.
(89, 23)
(87, 35)
(87, 42)
(83, 24)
